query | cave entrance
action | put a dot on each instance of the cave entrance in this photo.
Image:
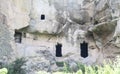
(42, 17)
(18, 37)
(84, 49)
(59, 50)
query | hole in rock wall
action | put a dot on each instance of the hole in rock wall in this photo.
(58, 50)
(18, 37)
(42, 17)
(84, 49)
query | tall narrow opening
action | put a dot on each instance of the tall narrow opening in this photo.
(42, 17)
(84, 49)
(18, 37)
(59, 50)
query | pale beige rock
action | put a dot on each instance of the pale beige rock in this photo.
(49, 23)
(6, 41)
(67, 22)
(17, 12)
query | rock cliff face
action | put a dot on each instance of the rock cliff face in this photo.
(40, 24)
(6, 40)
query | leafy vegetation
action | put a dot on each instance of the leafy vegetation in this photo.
(111, 68)
(3, 71)
(16, 66)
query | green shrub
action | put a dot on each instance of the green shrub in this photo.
(16, 66)
(66, 68)
(81, 67)
(3, 71)
(60, 64)
(106, 68)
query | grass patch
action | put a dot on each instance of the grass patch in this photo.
(60, 64)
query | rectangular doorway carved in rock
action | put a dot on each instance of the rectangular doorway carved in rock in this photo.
(18, 37)
(84, 49)
(59, 50)
(42, 17)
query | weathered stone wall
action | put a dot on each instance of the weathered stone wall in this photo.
(6, 47)
(69, 22)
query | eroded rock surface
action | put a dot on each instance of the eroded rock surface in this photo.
(43, 23)
(6, 40)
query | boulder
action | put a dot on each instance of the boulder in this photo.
(44, 60)
(103, 32)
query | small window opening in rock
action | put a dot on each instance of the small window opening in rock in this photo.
(18, 37)
(59, 50)
(42, 17)
(84, 49)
